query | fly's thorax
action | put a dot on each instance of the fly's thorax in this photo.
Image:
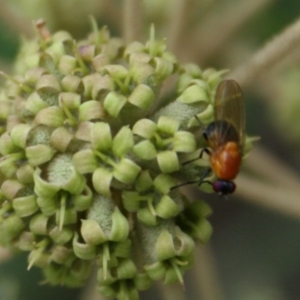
(218, 133)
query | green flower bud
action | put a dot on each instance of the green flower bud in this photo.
(101, 181)
(25, 206)
(146, 216)
(84, 200)
(85, 161)
(35, 103)
(48, 83)
(144, 128)
(6, 144)
(10, 228)
(156, 271)
(101, 136)
(193, 221)
(141, 71)
(11, 188)
(120, 227)
(67, 64)
(91, 110)
(25, 241)
(142, 96)
(166, 208)
(39, 224)
(126, 269)
(113, 103)
(92, 233)
(100, 61)
(39, 154)
(61, 138)
(168, 161)
(83, 132)
(25, 174)
(145, 150)
(184, 142)
(143, 182)
(163, 68)
(71, 83)
(122, 142)
(48, 206)
(116, 71)
(163, 183)
(167, 125)
(19, 135)
(102, 87)
(194, 93)
(62, 255)
(82, 250)
(61, 236)
(126, 171)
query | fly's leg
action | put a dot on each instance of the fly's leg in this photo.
(206, 150)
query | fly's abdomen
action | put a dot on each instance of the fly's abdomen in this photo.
(226, 161)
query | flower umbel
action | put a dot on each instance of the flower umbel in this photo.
(89, 158)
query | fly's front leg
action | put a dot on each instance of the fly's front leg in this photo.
(206, 150)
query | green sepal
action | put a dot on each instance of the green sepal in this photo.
(91, 110)
(34, 103)
(126, 269)
(126, 171)
(10, 228)
(25, 206)
(163, 183)
(101, 181)
(43, 188)
(167, 125)
(85, 161)
(52, 116)
(168, 161)
(19, 135)
(122, 142)
(39, 224)
(167, 208)
(146, 217)
(61, 236)
(143, 181)
(145, 150)
(84, 200)
(114, 102)
(48, 206)
(92, 233)
(156, 271)
(142, 96)
(101, 136)
(82, 250)
(39, 154)
(120, 227)
(144, 128)
(61, 138)
(184, 142)
(62, 255)
(131, 200)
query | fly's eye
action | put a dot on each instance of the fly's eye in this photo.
(224, 187)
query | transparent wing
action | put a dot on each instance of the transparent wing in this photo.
(229, 107)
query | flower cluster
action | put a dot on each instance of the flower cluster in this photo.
(89, 156)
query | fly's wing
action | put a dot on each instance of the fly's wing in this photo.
(229, 107)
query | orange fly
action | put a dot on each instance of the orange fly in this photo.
(225, 136)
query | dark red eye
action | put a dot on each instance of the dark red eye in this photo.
(224, 187)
